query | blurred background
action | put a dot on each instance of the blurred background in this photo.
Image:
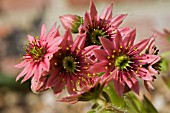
(21, 17)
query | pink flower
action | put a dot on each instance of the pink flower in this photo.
(105, 25)
(92, 89)
(69, 65)
(124, 61)
(38, 86)
(38, 53)
(154, 66)
(95, 26)
(71, 22)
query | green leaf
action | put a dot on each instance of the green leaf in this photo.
(115, 99)
(106, 96)
(137, 103)
(165, 64)
(131, 104)
(166, 79)
(10, 82)
(148, 105)
(92, 111)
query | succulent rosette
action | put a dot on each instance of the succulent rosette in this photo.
(95, 26)
(124, 61)
(69, 65)
(39, 51)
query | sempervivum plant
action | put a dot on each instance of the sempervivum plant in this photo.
(100, 65)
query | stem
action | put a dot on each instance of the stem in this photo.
(108, 107)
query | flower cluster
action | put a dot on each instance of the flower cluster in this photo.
(100, 48)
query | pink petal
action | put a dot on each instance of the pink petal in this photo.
(23, 72)
(31, 38)
(38, 72)
(117, 20)
(54, 78)
(101, 54)
(30, 73)
(124, 30)
(136, 49)
(67, 20)
(52, 30)
(56, 34)
(43, 32)
(147, 59)
(107, 13)
(93, 11)
(135, 85)
(21, 64)
(72, 99)
(89, 49)
(58, 87)
(152, 71)
(98, 67)
(45, 64)
(144, 74)
(79, 43)
(67, 40)
(151, 45)
(107, 77)
(148, 85)
(129, 39)
(87, 19)
(118, 40)
(127, 79)
(108, 45)
(118, 84)
(71, 86)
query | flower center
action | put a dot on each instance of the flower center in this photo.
(69, 64)
(122, 62)
(95, 36)
(35, 51)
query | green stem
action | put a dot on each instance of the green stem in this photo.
(106, 106)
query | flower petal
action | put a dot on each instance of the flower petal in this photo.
(107, 13)
(117, 20)
(89, 49)
(67, 40)
(119, 84)
(30, 73)
(21, 64)
(23, 72)
(118, 40)
(148, 85)
(52, 30)
(58, 87)
(136, 49)
(71, 86)
(144, 74)
(107, 44)
(93, 11)
(54, 78)
(79, 43)
(43, 32)
(129, 39)
(67, 20)
(31, 38)
(87, 19)
(101, 54)
(99, 67)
